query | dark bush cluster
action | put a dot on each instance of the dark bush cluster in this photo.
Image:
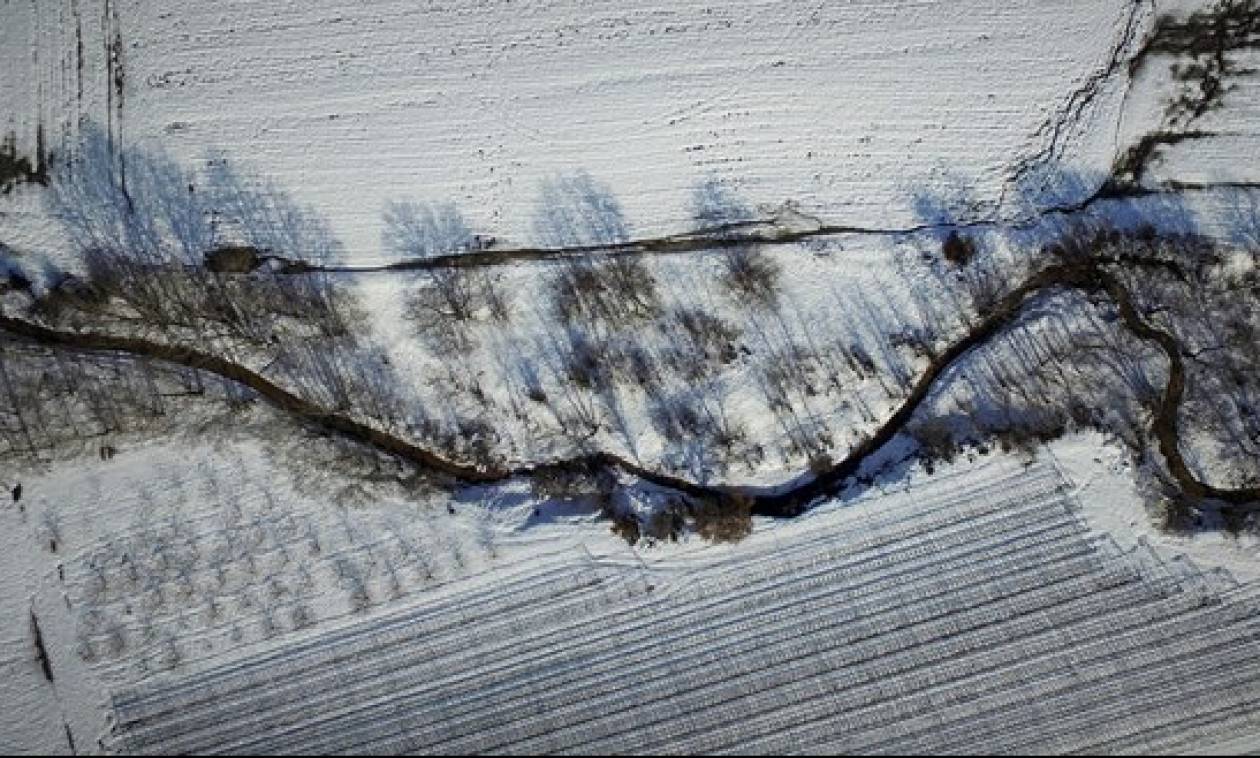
(750, 275)
(613, 290)
(958, 249)
(573, 482)
(725, 519)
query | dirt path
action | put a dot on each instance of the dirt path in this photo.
(782, 502)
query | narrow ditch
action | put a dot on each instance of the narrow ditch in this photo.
(763, 232)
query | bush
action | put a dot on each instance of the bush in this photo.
(820, 464)
(457, 294)
(1234, 521)
(957, 249)
(727, 519)
(573, 482)
(676, 417)
(707, 335)
(750, 275)
(667, 523)
(936, 442)
(641, 366)
(586, 361)
(420, 232)
(614, 290)
(626, 526)
(1177, 514)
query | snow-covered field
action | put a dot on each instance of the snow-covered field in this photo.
(236, 575)
(985, 538)
(974, 612)
(846, 109)
(219, 594)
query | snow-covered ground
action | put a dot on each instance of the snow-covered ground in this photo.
(174, 557)
(229, 508)
(176, 561)
(1102, 480)
(846, 109)
(974, 609)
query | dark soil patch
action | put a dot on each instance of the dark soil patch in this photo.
(234, 259)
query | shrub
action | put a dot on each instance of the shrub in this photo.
(820, 464)
(1234, 521)
(667, 523)
(677, 417)
(572, 482)
(750, 275)
(420, 232)
(725, 519)
(614, 290)
(936, 442)
(707, 335)
(642, 368)
(586, 361)
(450, 293)
(626, 526)
(957, 249)
(1177, 514)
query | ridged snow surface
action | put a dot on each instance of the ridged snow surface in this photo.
(976, 614)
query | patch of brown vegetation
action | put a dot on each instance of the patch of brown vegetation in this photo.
(958, 249)
(724, 519)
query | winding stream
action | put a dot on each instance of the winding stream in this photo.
(780, 502)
